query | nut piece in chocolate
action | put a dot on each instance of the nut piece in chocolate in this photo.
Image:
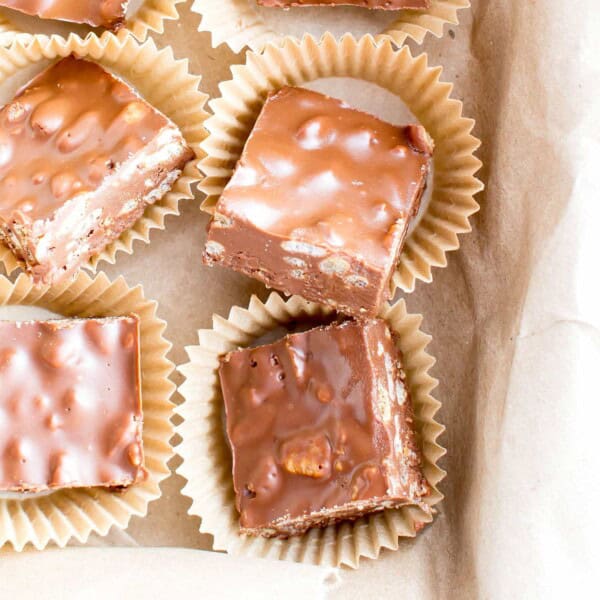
(97, 13)
(372, 4)
(321, 429)
(321, 201)
(70, 404)
(81, 157)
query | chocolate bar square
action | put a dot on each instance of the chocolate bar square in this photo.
(97, 13)
(70, 404)
(372, 4)
(81, 157)
(320, 427)
(321, 201)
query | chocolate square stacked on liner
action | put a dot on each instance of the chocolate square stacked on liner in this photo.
(97, 13)
(81, 157)
(70, 404)
(373, 4)
(321, 429)
(321, 201)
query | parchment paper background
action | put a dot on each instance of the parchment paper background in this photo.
(514, 317)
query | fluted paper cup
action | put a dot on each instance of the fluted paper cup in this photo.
(158, 77)
(241, 23)
(207, 459)
(75, 513)
(406, 83)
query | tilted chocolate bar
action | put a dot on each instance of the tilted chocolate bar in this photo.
(374, 4)
(70, 405)
(81, 157)
(320, 426)
(97, 13)
(321, 201)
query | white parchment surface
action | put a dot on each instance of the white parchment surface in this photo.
(515, 319)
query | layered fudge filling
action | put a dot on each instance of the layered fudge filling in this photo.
(70, 404)
(320, 425)
(321, 200)
(81, 157)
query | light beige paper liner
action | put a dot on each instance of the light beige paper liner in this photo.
(149, 16)
(66, 514)
(238, 24)
(206, 458)
(418, 86)
(163, 81)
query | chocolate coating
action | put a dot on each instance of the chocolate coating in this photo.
(321, 200)
(81, 156)
(70, 405)
(97, 13)
(372, 4)
(320, 426)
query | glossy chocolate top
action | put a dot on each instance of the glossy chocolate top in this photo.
(380, 4)
(320, 172)
(310, 426)
(97, 13)
(64, 133)
(70, 408)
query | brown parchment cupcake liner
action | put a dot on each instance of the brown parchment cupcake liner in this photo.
(163, 81)
(65, 514)
(238, 23)
(7, 30)
(206, 457)
(410, 78)
(149, 16)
